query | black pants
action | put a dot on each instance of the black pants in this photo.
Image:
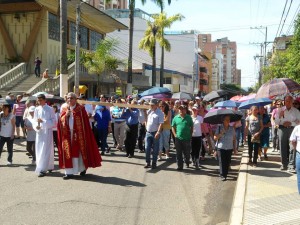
(141, 137)
(196, 146)
(253, 148)
(130, 140)
(30, 147)
(9, 144)
(183, 148)
(224, 161)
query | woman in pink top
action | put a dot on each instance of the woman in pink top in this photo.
(18, 111)
(274, 112)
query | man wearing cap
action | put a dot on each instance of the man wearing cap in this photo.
(43, 123)
(154, 122)
(77, 148)
(182, 128)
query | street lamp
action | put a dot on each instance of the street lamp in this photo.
(77, 48)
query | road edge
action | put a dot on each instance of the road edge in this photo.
(237, 208)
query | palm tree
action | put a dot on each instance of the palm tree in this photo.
(153, 33)
(161, 4)
(102, 60)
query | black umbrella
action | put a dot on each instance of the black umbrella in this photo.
(213, 95)
(216, 116)
(182, 96)
(29, 98)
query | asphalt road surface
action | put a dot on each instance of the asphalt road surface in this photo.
(120, 192)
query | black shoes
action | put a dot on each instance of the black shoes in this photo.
(179, 168)
(147, 166)
(223, 178)
(42, 174)
(153, 166)
(83, 173)
(67, 177)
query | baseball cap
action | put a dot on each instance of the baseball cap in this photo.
(31, 108)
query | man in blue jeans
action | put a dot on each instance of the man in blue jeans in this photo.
(155, 119)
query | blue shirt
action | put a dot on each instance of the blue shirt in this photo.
(131, 116)
(117, 114)
(103, 120)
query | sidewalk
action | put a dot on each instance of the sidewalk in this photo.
(265, 195)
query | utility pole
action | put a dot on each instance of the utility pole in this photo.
(77, 50)
(131, 24)
(63, 49)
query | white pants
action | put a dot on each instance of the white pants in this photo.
(78, 166)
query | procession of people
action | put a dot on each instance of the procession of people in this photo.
(196, 127)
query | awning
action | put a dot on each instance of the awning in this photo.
(90, 16)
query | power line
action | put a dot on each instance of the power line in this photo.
(286, 16)
(293, 19)
(286, 1)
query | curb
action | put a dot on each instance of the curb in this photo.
(237, 208)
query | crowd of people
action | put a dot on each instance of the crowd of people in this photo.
(80, 131)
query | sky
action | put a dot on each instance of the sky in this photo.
(242, 21)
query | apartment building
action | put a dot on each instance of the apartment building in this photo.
(112, 4)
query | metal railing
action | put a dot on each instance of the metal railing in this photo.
(51, 85)
(12, 75)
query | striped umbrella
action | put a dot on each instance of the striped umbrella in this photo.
(277, 86)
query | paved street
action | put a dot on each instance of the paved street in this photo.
(120, 192)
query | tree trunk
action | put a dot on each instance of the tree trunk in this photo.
(154, 66)
(162, 67)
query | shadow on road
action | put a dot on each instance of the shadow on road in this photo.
(110, 180)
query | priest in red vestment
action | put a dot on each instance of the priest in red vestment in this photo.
(77, 148)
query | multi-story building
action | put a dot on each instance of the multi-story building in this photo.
(112, 4)
(178, 64)
(225, 51)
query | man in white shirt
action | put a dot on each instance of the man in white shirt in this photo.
(295, 139)
(287, 118)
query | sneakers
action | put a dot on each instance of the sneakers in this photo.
(147, 166)
(159, 159)
(292, 170)
(167, 157)
(9, 163)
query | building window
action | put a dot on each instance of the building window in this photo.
(53, 27)
(95, 37)
(185, 81)
(167, 80)
(84, 37)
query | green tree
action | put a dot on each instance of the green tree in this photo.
(153, 34)
(102, 61)
(161, 4)
(286, 63)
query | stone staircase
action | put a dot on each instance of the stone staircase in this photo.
(21, 85)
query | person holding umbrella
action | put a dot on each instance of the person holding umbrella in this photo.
(254, 125)
(226, 144)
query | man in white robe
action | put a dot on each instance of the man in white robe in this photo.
(43, 122)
